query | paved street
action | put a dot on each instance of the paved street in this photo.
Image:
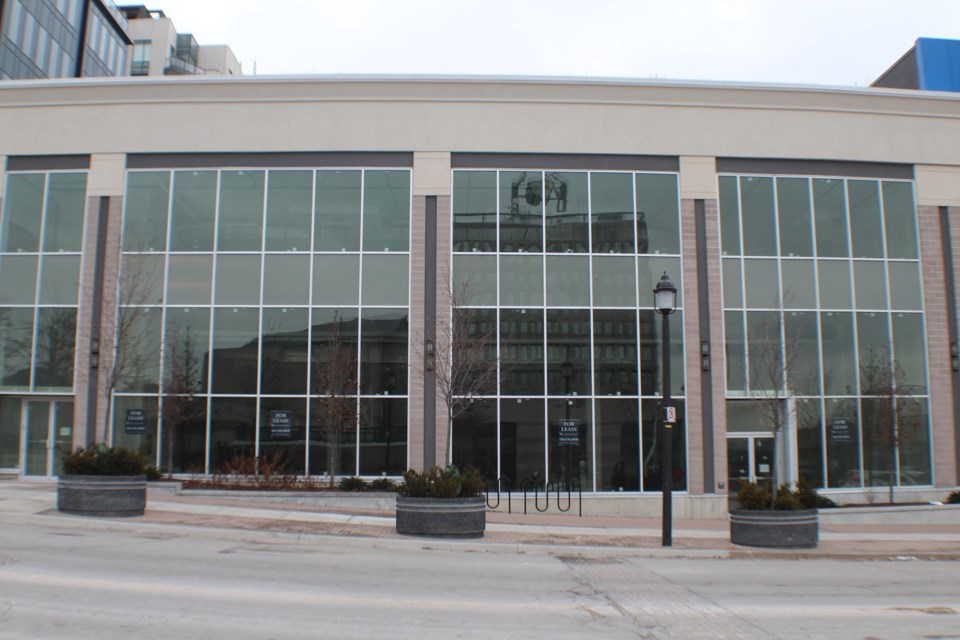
(109, 582)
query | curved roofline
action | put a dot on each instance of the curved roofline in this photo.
(475, 79)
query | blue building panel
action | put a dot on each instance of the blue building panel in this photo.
(938, 63)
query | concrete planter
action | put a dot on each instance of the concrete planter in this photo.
(442, 517)
(778, 529)
(102, 496)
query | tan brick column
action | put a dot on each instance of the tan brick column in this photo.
(104, 180)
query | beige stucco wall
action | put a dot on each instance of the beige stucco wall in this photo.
(938, 186)
(360, 114)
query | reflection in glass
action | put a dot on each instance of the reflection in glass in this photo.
(765, 350)
(843, 443)
(618, 445)
(615, 352)
(63, 221)
(386, 280)
(865, 218)
(521, 351)
(568, 352)
(333, 447)
(138, 364)
(479, 347)
(652, 460)
(233, 424)
(475, 280)
(521, 211)
(735, 345)
(803, 367)
(521, 280)
(146, 211)
(383, 436)
(522, 443)
(909, 351)
(336, 279)
(762, 286)
(831, 218)
(187, 350)
(568, 281)
(651, 357)
(56, 342)
(658, 213)
(873, 350)
(9, 426)
(240, 223)
(130, 438)
(194, 204)
(835, 290)
(901, 220)
(334, 344)
(188, 448)
(877, 416)
(386, 210)
(16, 347)
(189, 279)
(283, 359)
(18, 278)
(571, 454)
(235, 343)
(475, 439)
(336, 226)
(238, 279)
(475, 211)
(22, 212)
(915, 462)
(729, 216)
(757, 211)
(649, 270)
(839, 372)
(141, 279)
(612, 213)
(283, 432)
(383, 351)
(810, 441)
(289, 207)
(286, 279)
(870, 285)
(798, 284)
(566, 209)
(732, 284)
(904, 285)
(614, 284)
(793, 205)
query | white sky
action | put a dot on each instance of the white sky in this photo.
(832, 42)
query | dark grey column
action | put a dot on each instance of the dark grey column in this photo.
(950, 290)
(95, 315)
(706, 382)
(430, 333)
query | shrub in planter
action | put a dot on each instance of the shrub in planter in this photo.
(788, 520)
(103, 481)
(352, 484)
(442, 502)
(953, 497)
(381, 484)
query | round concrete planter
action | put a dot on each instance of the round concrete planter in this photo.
(442, 517)
(103, 496)
(791, 529)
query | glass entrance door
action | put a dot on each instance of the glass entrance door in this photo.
(48, 435)
(750, 458)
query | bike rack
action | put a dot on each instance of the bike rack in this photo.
(496, 505)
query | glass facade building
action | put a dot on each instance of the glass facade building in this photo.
(213, 288)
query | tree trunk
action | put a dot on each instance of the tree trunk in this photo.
(333, 451)
(170, 437)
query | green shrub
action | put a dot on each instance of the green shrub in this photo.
(758, 497)
(787, 500)
(381, 484)
(153, 474)
(753, 497)
(442, 483)
(353, 483)
(953, 498)
(101, 460)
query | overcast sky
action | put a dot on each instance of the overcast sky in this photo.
(832, 42)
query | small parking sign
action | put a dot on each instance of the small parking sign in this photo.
(669, 416)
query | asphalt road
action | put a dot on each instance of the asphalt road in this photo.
(64, 583)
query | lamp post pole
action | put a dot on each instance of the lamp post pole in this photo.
(665, 303)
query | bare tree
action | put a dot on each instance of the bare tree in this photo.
(334, 378)
(182, 379)
(777, 360)
(889, 412)
(464, 359)
(132, 356)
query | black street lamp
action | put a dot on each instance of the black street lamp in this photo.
(665, 303)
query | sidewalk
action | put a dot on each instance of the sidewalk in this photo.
(297, 521)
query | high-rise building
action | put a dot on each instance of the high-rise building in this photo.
(158, 49)
(61, 39)
(932, 64)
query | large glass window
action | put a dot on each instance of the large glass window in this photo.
(240, 223)
(289, 201)
(386, 211)
(193, 210)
